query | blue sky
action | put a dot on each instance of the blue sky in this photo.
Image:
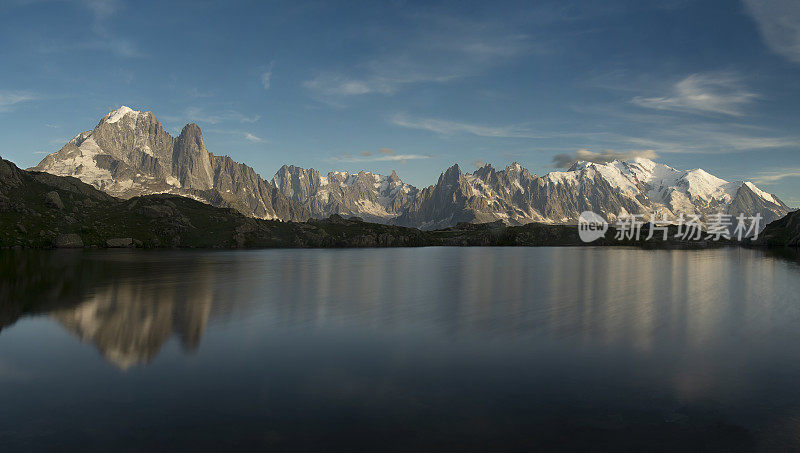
(416, 86)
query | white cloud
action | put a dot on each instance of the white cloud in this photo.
(332, 84)
(8, 99)
(384, 77)
(266, 76)
(604, 156)
(446, 127)
(252, 138)
(714, 93)
(197, 114)
(778, 22)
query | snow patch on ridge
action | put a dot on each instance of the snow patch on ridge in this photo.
(761, 193)
(118, 114)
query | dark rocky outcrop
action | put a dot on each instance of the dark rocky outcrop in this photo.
(782, 232)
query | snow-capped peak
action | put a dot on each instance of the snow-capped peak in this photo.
(116, 115)
(644, 163)
(760, 193)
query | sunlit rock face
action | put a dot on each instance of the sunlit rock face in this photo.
(373, 197)
(129, 153)
(639, 186)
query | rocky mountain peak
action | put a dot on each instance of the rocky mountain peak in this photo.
(451, 175)
(127, 116)
(120, 113)
(191, 162)
(129, 153)
(485, 172)
(192, 132)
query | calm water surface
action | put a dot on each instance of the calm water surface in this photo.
(400, 349)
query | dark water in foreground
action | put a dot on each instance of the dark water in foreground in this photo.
(404, 349)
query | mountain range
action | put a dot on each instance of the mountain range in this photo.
(41, 210)
(129, 154)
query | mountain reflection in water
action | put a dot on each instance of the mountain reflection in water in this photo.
(524, 345)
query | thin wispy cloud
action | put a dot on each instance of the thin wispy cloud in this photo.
(194, 93)
(103, 13)
(708, 139)
(266, 76)
(102, 10)
(446, 127)
(9, 99)
(440, 49)
(106, 38)
(778, 22)
(607, 155)
(383, 155)
(705, 93)
(120, 46)
(668, 131)
(333, 84)
(197, 114)
(771, 176)
(246, 135)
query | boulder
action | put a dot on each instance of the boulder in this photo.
(119, 242)
(70, 240)
(53, 200)
(156, 211)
